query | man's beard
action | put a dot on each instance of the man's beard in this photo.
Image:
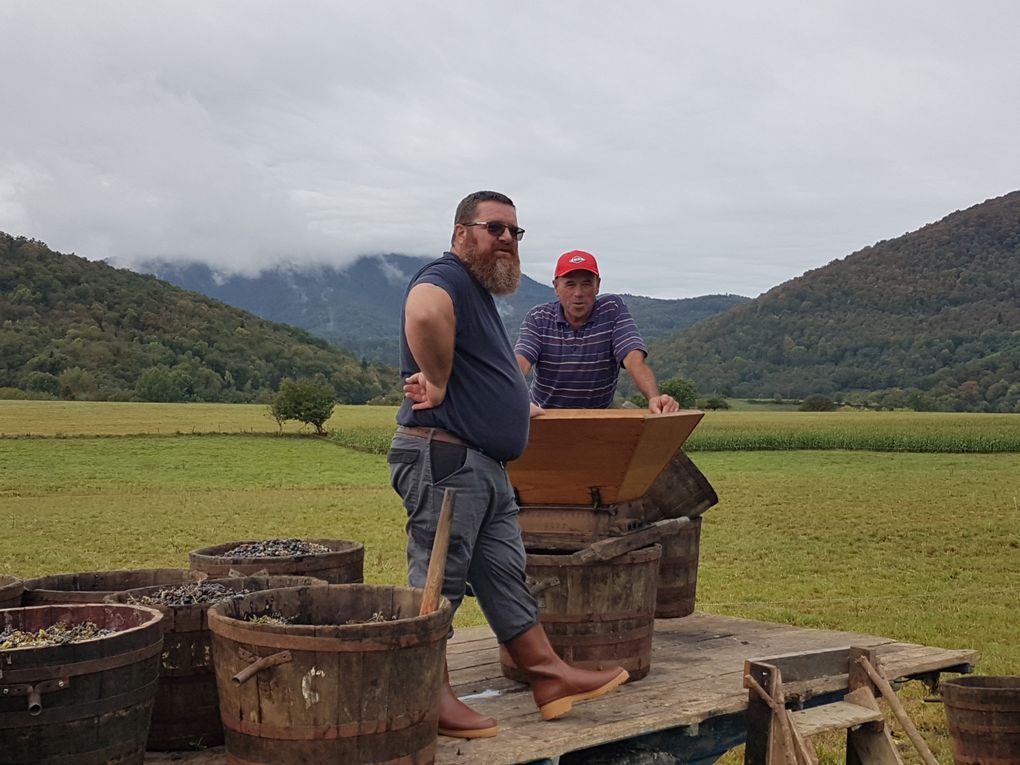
(499, 275)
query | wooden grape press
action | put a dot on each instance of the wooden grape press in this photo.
(592, 475)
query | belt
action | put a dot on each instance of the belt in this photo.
(432, 434)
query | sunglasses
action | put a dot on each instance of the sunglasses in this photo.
(496, 229)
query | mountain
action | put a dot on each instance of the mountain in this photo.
(929, 320)
(358, 306)
(73, 328)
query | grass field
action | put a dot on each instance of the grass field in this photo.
(923, 547)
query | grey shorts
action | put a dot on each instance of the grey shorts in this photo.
(486, 548)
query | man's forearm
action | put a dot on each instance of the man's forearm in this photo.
(642, 374)
(644, 379)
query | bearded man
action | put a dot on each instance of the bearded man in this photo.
(465, 415)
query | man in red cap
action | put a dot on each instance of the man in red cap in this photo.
(578, 343)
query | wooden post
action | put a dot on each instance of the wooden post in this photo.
(870, 744)
(437, 561)
(901, 714)
(767, 737)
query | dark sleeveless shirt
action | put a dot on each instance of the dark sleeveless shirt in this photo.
(487, 401)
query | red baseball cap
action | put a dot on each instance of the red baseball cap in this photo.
(576, 260)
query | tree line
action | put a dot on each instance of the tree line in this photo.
(75, 329)
(929, 321)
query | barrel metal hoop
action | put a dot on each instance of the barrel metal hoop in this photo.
(24, 689)
(978, 706)
(119, 752)
(311, 643)
(638, 635)
(424, 755)
(59, 671)
(644, 615)
(325, 732)
(51, 715)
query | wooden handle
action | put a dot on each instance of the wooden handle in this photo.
(538, 586)
(246, 674)
(607, 549)
(437, 562)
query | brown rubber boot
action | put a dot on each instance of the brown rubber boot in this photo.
(457, 719)
(555, 684)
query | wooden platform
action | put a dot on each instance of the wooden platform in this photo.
(695, 679)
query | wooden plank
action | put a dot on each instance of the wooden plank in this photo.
(873, 746)
(607, 549)
(617, 451)
(809, 665)
(835, 716)
(662, 437)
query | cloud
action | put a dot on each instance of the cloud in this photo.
(693, 149)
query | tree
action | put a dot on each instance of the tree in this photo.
(307, 401)
(159, 384)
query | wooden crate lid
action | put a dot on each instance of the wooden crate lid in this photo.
(618, 451)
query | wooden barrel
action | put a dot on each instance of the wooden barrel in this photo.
(678, 572)
(600, 615)
(94, 586)
(984, 719)
(186, 713)
(11, 589)
(321, 690)
(343, 564)
(86, 703)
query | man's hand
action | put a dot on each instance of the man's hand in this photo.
(424, 394)
(663, 404)
(536, 410)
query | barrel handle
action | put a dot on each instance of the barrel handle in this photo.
(234, 573)
(246, 674)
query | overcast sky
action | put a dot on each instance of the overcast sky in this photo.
(694, 148)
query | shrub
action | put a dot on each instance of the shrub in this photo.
(818, 403)
(713, 403)
(680, 389)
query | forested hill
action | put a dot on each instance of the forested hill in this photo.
(930, 320)
(74, 328)
(358, 306)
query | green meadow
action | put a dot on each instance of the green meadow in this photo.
(900, 524)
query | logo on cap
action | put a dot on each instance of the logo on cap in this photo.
(576, 260)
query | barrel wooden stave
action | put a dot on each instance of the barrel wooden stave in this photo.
(11, 589)
(186, 711)
(601, 615)
(385, 708)
(344, 564)
(678, 572)
(102, 715)
(94, 586)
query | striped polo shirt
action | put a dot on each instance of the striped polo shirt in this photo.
(578, 368)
